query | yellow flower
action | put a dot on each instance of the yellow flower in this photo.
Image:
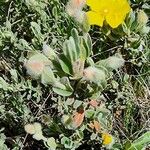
(107, 138)
(113, 11)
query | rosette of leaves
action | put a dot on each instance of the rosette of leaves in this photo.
(75, 52)
(76, 62)
(73, 65)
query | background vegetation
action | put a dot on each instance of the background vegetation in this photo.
(123, 97)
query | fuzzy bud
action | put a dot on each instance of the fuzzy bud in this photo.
(94, 74)
(115, 62)
(29, 128)
(35, 65)
(74, 9)
(142, 18)
(34, 68)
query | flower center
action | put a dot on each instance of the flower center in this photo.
(105, 11)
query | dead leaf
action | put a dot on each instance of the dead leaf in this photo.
(91, 125)
(78, 118)
(97, 126)
(93, 103)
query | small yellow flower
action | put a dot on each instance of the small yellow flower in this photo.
(113, 11)
(107, 138)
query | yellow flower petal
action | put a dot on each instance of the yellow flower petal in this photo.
(117, 13)
(114, 20)
(94, 4)
(124, 6)
(95, 18)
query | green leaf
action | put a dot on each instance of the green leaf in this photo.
(49, 52)
(67, 142)
(93, 136)
(66, 119)
(111, 63)
(39, 57)
(14, 75)
(65, 64)
(51, 143)
(140, 143)
(80, 134)
(36, 30)
(3, 84)
(77, 103)
(70, 51)
(63, 87)
(75, 35)
(47, 76)
(89, 113)
(83, 50)
(66, 82)
(2, 142)
(23, 44)
(62, 92)
(87, 43)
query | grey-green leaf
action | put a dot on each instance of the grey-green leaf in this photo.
(51, 143)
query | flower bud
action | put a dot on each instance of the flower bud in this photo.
(93, 103)
(74, 5)
(142, 18)
(114, 62)
(93, 74)
(74, 9)
(34, 67)
(29, 128)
